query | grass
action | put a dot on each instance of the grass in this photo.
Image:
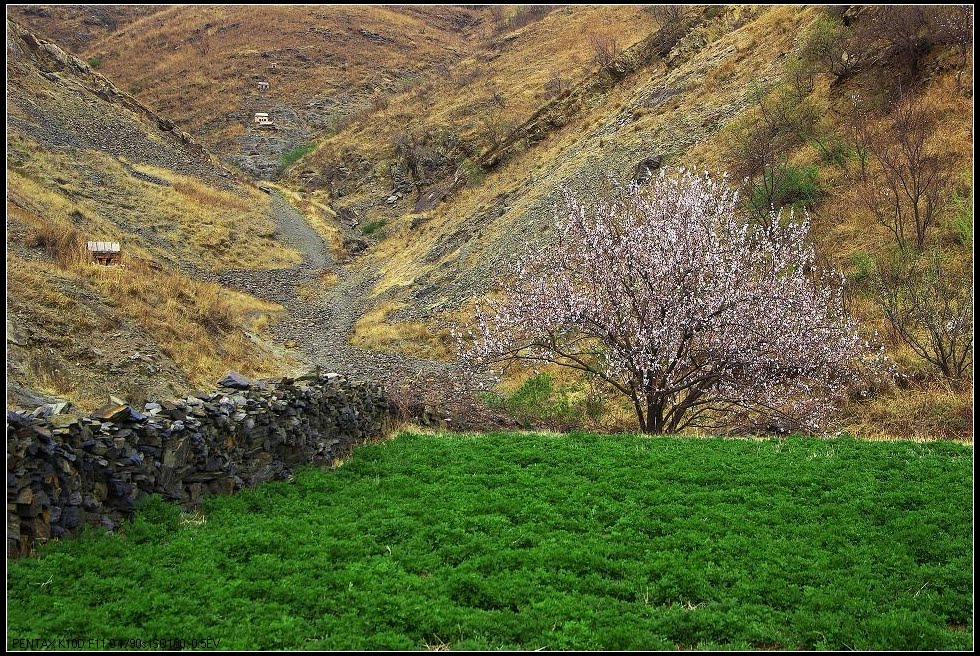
(292, 156)
(520, 541)
(203, 328)
(373, 330)
(199, 325)
(375, 227)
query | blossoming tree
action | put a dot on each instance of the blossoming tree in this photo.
(667, 296)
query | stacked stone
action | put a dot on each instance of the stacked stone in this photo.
(63, 472)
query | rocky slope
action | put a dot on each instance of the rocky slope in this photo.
(200, 65)
(88, 162)
(75, 27)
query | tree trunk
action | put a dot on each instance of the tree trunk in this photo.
(655, 416)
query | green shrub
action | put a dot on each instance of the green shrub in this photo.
(540, 402)
(864, 266)
(473, 173)
(961, 217)
(834, 150)
(95, 62)
(794, 186)
(825, 48)
(373, 227)
(292, 156)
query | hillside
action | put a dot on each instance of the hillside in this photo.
(448, 182)
(75, 27)
(424, 145)
(200, 65)
(86, 161)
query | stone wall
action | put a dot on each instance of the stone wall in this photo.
(64, 472)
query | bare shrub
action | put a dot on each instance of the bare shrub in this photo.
(497, 14)
(929, 306)
(495, 128)
(465, 75)
(670, 20)
(449, 400)
(605, 48)
(903, 30)
(907, 178)
(379, 101)
(408, 149)
(952, 25)
(556, 85)
(497, 97)
(825, 47)
(525, 15)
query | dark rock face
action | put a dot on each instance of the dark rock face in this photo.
(62, 475)
(643, 172)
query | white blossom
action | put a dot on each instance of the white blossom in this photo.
(678, 304)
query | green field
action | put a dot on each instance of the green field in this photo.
(543, 541)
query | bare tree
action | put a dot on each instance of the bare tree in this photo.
(907, 180)
(759, 145)
(670, 20)
(952, 25)
(605, 48)
(674, 302)
(929, 306)
(497, 14)
(902, 30)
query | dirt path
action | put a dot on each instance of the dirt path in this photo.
(320, 321)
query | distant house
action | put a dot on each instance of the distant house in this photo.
(106, 253)
(262, 118)
(263, 86)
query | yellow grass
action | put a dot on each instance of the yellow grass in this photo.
(373, 331)
(205, 329)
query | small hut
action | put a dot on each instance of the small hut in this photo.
(262, 118)
(263, 86)
(106, 253)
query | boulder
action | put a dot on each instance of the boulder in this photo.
(235, 380)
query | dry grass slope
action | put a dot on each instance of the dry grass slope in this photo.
(154, 326)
